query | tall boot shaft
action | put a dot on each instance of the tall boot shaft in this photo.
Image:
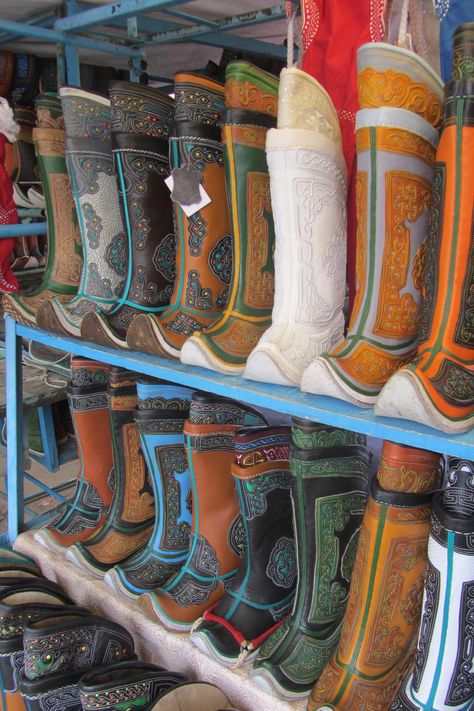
(86, 512)
(130, 520)
(437, 387)
(396, 138)
(142, 167)
(441, 676)
(140, 110)
(384, 605)
(216, 532)
(92, 176)
(308, 189)
(226, 345)
(64, 260)
(260, 594)
(329, 470)
(160, 417)
(203, 256)
(141, 124)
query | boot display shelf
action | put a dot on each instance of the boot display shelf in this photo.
(283, 399)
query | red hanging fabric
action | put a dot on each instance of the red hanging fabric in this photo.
(8, 216)
(332, 32)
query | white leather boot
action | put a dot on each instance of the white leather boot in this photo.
(308, 189)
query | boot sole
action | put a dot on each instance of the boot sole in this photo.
(154, 613)
(47, 541)
(144, 335)
(404, 397)
(77, 559)
(265, 681)
(50, 319)
(94, 329)
(112, 580)
(328, 383)
(201, 641)
(194, 353)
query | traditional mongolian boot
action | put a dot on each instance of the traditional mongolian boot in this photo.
(139, 109)
(260, 595)
(142, 165)
(395, 157)
(442, 677)
(64, 262)
(192, 696)
(85, 514)
(227, 344)
(329, 470)
(60, 649)
(93, 183)
(384, 607)
(437, 387)
(308, 187)
(203, 259)
(131, 515)
(162, 411)
(19, 605)
(49, 112)
(217, 534)
(127, 685)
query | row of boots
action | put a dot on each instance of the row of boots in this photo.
(197, 280)
(56, 655)
(260, 539)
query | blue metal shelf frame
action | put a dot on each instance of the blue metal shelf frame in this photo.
(277, 397)
(83, 27)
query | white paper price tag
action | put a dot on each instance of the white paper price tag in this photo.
(195, 206)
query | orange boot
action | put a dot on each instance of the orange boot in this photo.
(437, 387)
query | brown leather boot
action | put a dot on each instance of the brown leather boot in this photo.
(225, 346)
(85, 514)
(204, 251)
(217, 533)
(64, 263)
(132, 514)
(384, 607)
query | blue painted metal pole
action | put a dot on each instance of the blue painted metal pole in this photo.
(14, 398)
(22, 230)
(71, 53)
(245, 19)
(48, 437)
(53, 36)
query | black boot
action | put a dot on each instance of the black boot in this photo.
(260, 595)
(60, 649)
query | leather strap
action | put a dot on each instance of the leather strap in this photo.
(248, 118)
(454, 91)
(87, 145)
(139, 142)
(397, 498)
(195, 130)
